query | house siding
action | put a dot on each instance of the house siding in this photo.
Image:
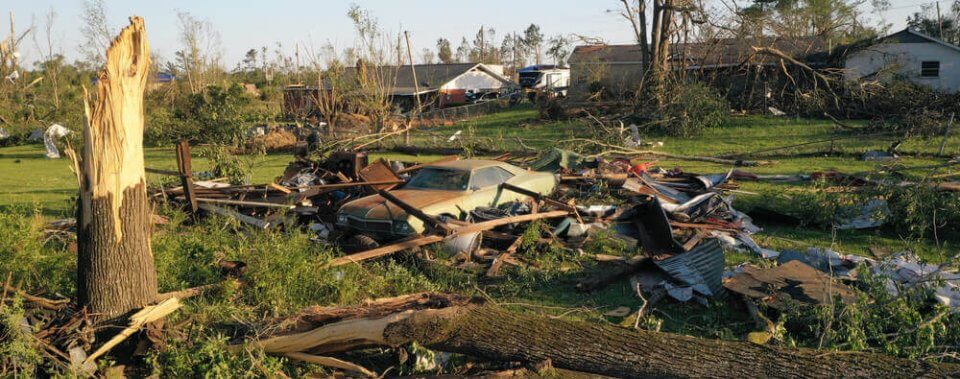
(893, 59)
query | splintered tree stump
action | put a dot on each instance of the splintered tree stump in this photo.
(115, 264)
(494, 333)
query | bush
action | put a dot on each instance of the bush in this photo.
(687, 109)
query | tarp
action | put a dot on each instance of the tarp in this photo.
(50, 137)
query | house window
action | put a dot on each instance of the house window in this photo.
(930, 69)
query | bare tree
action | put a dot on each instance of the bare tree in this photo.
(200, 54)
(426, 56)
(52, 56)
(375, 79)
(95, 30)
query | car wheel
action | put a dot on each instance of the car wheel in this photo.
(360, 242)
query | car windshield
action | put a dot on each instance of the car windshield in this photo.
(440, 179)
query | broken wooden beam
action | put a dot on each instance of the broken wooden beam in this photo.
(250, 220)
(244, 203)
(413, 211)
(186, 175)
(402, 245)
(417, 241)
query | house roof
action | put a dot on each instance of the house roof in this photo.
(714, 53)
(912, 36)
(430, 77)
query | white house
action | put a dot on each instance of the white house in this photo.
(908, 55)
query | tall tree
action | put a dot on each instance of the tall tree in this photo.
(96, 33)
(558, 48)
(463, 51)
(940, 23)
(533, 38)
(52, 56)
(115, 265)
(200, 53)
(444, 51)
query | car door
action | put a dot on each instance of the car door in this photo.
(485, 184)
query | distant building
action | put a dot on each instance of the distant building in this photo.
(908, 55)
(437, 86)
(731, 65)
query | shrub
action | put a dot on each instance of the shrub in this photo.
(687, 109)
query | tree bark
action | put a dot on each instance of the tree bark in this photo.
(115, 264)
(494, 333)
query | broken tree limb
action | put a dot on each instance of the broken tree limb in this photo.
(494, 333)
(621, 150)
(138, 320)
(41, 302)
(332, 362)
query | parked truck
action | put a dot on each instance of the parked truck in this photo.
(544, 80)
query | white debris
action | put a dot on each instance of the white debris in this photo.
(50, 137)
(906, 269)
(455, 136)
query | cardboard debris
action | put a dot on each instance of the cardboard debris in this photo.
(792, 281)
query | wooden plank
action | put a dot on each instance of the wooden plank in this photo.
(186, 175)
(481, 226)
(161, 172)
(379, 171)
(405, 244)
(494, 270)
(418, 241)
(449, 158)
(413, 211)
(250, 220)
(280, 188)
(243, 203)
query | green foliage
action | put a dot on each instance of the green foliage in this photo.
(217, 112)
(687, 109)
(908, 324)
(238, 168)
(920, 210)
(33, 263)
(209, 357)
(19, 354)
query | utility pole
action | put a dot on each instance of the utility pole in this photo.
(297, 55)
(416, 87)
(939, 21)
(481, 44)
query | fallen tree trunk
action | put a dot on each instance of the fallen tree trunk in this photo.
(494, 333)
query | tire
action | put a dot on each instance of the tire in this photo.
(360, 242)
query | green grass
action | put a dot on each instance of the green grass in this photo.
(283, 265)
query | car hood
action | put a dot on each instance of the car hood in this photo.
(376, 207)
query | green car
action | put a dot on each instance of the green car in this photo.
(443, 189)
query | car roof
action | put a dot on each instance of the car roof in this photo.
(468, 164)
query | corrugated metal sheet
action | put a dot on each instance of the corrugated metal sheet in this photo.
(700, 268)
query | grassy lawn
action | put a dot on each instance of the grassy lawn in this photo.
(284, 275)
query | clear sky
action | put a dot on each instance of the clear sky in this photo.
(246, 24)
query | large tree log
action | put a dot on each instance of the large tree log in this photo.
(115, 264)
(495, 333)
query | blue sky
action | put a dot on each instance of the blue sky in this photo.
(246, 24)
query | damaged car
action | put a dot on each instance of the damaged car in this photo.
(448, 190)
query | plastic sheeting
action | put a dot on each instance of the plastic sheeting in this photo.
(50, 137)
